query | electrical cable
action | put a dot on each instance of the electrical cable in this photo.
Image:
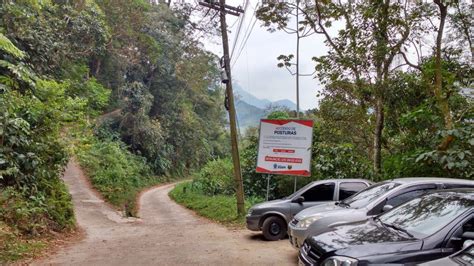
(239, 29)
(247, 34)
(244, 43)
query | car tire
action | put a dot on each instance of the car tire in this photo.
(274, 228)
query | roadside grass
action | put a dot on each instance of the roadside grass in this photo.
(219, 208)
(13, 247)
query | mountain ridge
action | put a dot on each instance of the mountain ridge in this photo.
(251, 109)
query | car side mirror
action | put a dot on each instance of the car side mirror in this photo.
(465, 239)
(468, 235)
(299, 200)
(387, 207)
(467, 243)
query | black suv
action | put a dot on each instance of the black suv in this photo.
(426, 228)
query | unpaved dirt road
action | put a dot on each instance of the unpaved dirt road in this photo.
(165, 234)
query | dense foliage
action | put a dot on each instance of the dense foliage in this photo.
(33, 200)
(63, 63)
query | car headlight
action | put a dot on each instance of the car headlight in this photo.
(250, 212)
(339, 261)
(307, 221)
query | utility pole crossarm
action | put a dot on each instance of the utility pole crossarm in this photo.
(235, 11)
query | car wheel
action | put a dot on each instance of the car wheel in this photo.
(274, 228)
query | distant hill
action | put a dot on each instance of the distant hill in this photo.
(248, 115)
(251, 109)
(287, 103)
(242, 95)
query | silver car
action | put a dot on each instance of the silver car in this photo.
(272, 217)
(376, 199)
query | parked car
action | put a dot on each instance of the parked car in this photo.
(272, 217)
(374, 200)
(461, 258)
(426, 228)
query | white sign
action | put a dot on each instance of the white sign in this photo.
(284, 147)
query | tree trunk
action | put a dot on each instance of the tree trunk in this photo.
(379, 124)
(438, 82)
(97, 67)
(380, 55)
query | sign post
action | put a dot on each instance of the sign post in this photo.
(268, 185)
(294, 187)
(284, 147)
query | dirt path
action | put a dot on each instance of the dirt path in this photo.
(166, 234)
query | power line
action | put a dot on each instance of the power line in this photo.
(233, 24)
(245, 39)
(247, 33)
(241, 22)
(239, 28)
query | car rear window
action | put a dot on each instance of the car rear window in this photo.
(347, 189)
(322, 192)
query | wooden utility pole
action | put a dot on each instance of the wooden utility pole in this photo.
(226, 9)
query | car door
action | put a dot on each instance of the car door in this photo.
(318, 194)
(347, 189)
(454, 241)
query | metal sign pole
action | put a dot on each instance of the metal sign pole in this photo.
(268, 186)
(294, 190)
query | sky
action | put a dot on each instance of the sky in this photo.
(256, 68)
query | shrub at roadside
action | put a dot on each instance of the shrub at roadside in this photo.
(115, 172)
(14, 247)
(216, 177)
(219, 208)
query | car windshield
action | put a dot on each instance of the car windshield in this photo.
(369, 194)
(428, 214)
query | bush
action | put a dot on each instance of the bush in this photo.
(95, 95)
(338, 161)
(216, 177)
(28, 216)
(33, 198)
(14, 247)
(456, 160)
(114, 171)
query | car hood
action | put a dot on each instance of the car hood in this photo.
(271, 203)
(363, 239)
(323, 210)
